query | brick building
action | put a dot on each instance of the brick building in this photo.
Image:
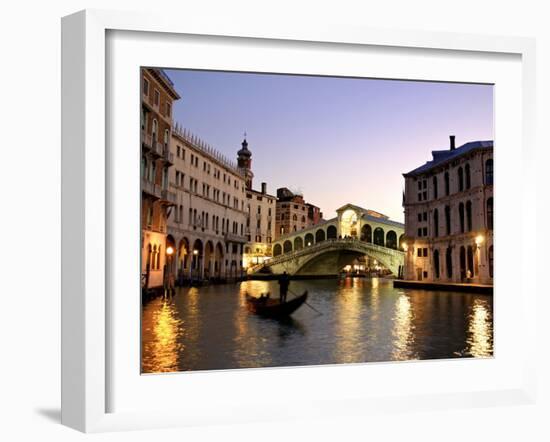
(157, 97)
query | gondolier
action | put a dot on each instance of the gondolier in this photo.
(284, 282)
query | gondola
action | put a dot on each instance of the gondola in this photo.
(272, 308)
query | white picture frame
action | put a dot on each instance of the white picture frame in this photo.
(86, 213)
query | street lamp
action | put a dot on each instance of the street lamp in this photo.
(479, 240)
(168, 276)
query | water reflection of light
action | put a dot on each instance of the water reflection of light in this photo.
(403, 330)
(349, 326)
(480, 330)
(249, 345)
(161, 353)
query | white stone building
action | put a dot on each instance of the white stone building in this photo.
(448, 206)
(206, 227)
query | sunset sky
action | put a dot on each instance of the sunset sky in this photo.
(337, 140)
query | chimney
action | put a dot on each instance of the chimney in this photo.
(452, 140)
(264, 188)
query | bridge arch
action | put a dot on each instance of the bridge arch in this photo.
(401, 240)
(309, 240)
(336, 255)
(332, 233)
(391, 240)
(379, 236)
(298, 243)
(287, 246)
(277, 250)
(320, 235)
(366, 233)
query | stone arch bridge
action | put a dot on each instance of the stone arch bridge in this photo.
(326, 248)
(329, 256)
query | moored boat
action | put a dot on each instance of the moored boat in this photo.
(272, 308)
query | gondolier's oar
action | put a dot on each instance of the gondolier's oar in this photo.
(306, 303)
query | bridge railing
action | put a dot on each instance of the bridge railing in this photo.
(332, 243)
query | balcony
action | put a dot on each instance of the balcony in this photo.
(234, 237)
(158, 148)
(167, 155)
(150, 188)
(146, 141)
(168, 197)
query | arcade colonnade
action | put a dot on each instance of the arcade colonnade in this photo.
(202, 258)
(351, 222)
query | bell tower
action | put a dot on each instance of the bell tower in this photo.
(244, 162)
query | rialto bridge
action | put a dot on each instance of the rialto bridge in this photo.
(326, 248)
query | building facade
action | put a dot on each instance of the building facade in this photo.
(293, 213)
(260, 207)
(448, 205)
(157, 97)
(206, 226)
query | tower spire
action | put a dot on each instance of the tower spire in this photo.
(244, 162)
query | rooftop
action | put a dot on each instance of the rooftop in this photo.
(441, 157)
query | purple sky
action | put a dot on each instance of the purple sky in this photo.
(337, 140)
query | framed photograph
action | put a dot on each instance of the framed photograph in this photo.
(251, 212)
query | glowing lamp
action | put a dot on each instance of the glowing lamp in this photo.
(169, 250)
(479, 240)
(195, 252)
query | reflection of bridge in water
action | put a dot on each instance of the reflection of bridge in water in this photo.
(326, 248)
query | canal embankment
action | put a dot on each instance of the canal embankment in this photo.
(484, 289)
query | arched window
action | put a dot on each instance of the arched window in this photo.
(379, 236)
(462, 263)
(490, 213)
(449, 262)
(436, 222)
(166, 138)
(469, 216)
(468, 176)
(153, 171)
(460, 179)
(277, 250)
(434, 179)
(436, 263)
(143, 167)
(461, 216)
(303, 219)
(489, 171)
(331, 232)
(391, 240)
(287, 246)
(309, 240)
(448, 219)
(294, 217)
(149, 257)
(491, 261)
(159, 252)
(154, 130)
(298, 243)
(470, 262)
(366, 233)
(319, 235)
(447, 186)
(165, 178)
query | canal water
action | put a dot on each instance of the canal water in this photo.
(362, 320)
